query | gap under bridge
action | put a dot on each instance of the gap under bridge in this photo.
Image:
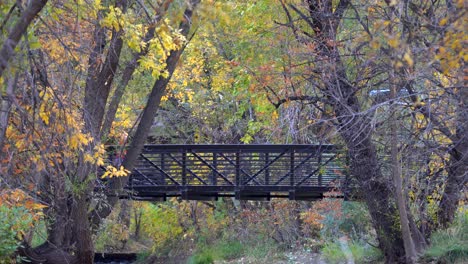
(246, 172)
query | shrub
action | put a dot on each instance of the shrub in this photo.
(13, 221)
(160, 224)
(204, 257)
(450, 245)
(332, 253)
(111, 236)
(230, 249)
(261, 249)
(365, 253)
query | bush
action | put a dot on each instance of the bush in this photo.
(111, 236)
(262, 249)
(450, 245)
(13, 221)
(332, 253)
(204, 257)
(229, 249)
(365, 253)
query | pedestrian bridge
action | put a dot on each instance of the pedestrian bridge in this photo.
(246, 172)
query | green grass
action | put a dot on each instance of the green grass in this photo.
(362, 253)
(365, 253)
(450, 245)
(232, 249)
(229, 249)
(204, 257)
(220, 250)
(332, 253)
(39, 234)
(261, 250)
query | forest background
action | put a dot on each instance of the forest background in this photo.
(385, 80)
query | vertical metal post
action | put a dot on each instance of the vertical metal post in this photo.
(291, 172)
(215, 166)
(320, 169)
(163, 168)
(238, 183)
(267, 170)
(184, 167)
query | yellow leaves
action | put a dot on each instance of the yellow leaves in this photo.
(451, 53)
(88, 158)
(166, 40)
(374, 44)
(19, 144)
(95, 7)
(112, 171)
(96, 157)
(443, 22)
(44, 112)
(114, 19)
(407, 58)
(78, 140)
(274, 115)
(43, 115)
(393, 42)
(420, 121)
(99, 153)
(133, 36)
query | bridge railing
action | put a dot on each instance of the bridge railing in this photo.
(238, 166)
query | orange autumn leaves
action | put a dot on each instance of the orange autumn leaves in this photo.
(18, 198)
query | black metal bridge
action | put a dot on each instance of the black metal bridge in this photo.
(246, 172)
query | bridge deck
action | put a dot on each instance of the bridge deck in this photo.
(204, 172)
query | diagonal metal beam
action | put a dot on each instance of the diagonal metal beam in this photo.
(296, 167)
(235, 166)
(187, 169)
(211, 167)
(316, 170)
(266, 166)
(145, 177)
(160, 169)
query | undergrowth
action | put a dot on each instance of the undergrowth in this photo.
(361, 253)
(450, 245)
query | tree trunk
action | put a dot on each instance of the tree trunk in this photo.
(5, 109)
(128, 72)
(137, 217)
(8, 49)
(410, 250)
(82, 231)
(149, 112)
(458, 169)
(353, 124)
(355, 129)
(376, 194)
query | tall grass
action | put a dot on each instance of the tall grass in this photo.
(450, 245)
(362, 253)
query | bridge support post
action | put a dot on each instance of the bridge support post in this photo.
(291, 169)
(319, 180)
(215, 166)
(184, 168)
(163, 168)
(267, 170)
(238, 178)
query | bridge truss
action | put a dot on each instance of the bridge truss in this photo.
(246, 172)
